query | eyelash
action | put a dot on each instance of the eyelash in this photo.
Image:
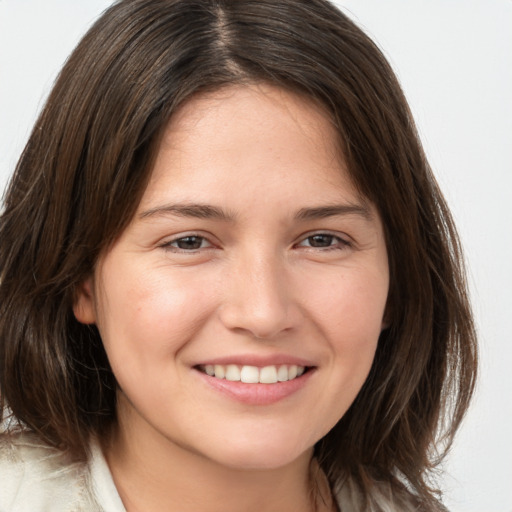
(340, 243)
(169, 245)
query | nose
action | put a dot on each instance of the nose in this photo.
(258, 298)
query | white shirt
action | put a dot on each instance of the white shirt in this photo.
(37, 478)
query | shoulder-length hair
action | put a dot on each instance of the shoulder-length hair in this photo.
(86, 166)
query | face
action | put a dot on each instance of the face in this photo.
(241, 307)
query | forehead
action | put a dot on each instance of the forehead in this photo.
(256, 137)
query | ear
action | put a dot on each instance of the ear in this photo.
(83, 306)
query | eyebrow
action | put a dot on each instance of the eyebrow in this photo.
(206, 211)
(322, 212)
(198, 211)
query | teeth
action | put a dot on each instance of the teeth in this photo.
(232, 372)
(250, 374)
(220, 371)
(268, 375)
(282, 373)
(253, 374)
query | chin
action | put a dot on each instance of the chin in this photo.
(262, 455)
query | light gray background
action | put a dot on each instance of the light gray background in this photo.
(454, 59)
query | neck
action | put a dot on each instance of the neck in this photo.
(154, 474)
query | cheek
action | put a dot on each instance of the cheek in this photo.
(349, 307)
(146, 317)
(349, 312)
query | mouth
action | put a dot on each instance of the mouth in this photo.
(247, 374)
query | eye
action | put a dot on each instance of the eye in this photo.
(323, 241)
(187, 243)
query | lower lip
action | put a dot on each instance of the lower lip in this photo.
(257, 394)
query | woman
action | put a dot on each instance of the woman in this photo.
(228, 278)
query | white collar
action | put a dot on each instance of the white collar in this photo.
(102, 482)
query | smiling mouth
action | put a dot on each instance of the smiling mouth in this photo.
(253, 374)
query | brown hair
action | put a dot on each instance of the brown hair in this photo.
(85, 168)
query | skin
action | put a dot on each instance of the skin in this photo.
(296, 266)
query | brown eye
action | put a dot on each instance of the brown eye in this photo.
(321, 240)
(188, 243)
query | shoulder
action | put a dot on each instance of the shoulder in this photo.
(38, 477)
(382, 498)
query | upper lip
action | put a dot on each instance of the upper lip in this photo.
(258, 360)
